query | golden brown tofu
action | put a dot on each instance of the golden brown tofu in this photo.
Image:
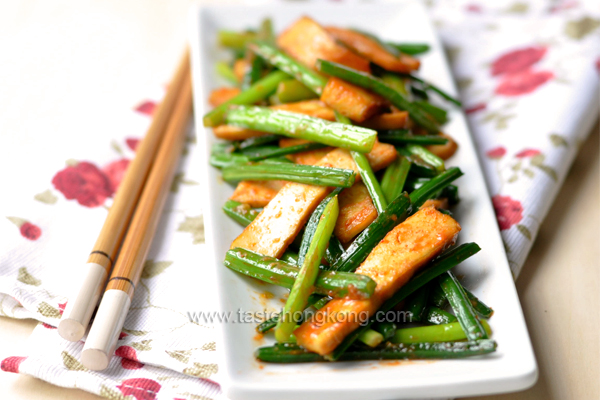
(352, 101)
(436, 203)
(221, 95)
(281, 220)
(391, 264)
(310, 157)
(381, 155)
(240, 66)
(307, 41)
(313, 108)
(356, 212)
(444, 151)
(373, 51)
(394, 120)
(257, 193)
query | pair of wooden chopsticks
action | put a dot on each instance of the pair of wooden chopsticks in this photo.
(129, 228)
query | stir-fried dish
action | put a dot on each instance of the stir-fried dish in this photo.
(335, 148)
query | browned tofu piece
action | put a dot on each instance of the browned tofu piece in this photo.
(381, 155)
(240, 66)
(391, 264)
(221, 95)
(352, 101)
(310, 157)
(307, 41)
(444, 151)
(281, 220)
(356, 212)
(436, 203)
(257, 193)
(313, 108)
(394, 120)
(373, 51)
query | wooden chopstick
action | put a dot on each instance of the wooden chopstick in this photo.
(102, 338)
(80, 307)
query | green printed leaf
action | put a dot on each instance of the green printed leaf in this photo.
(195, 226)
(179, 180)
(518, 8)
(135, 332)
(144, 345)
(153, 268)
(524, 231)
(113, 394)
(48, 311)
(201, 370)
(46, 197)
(17, 221)
(71, 363)
(180, 355)
(538, 160)
(210, 346)
(580, 28)
(549, 171)
(529, 173)
(115, 146)
(558, 140)
(26, 278)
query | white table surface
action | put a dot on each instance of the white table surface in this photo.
(57, 68)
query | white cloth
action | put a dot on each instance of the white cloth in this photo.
(528, 73)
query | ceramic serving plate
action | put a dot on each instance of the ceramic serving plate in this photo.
(487, 274)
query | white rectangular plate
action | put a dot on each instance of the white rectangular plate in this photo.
(487, 274)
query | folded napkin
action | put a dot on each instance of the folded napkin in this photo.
(528, 76)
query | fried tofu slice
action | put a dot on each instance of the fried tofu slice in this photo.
(257, 193)
(352, 101)
(281, 220)
(444, 151)
(373, 51)
(221, 95)
(313, 108)
(393, 120)
(307, 41)
(392, 263)
(240, 66)
(381, 155)
(356, 212)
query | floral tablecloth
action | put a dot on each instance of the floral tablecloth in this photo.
(528, 76)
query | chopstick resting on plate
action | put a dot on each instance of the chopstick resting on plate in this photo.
(80, 307)
(102, 338)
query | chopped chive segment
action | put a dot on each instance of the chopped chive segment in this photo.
(285, 63)
(292, 353)
(403, 136)
(417, 304)
(308, 273)
(241, 213)
(378, 86)
(225, 71)
(428, 86)
(290, 91)
(235, 40)
(421, 156)
(260, 153)
(334, 250)
(462, 307)
(271, 323)
(371, 338)
(394, 177)
(258, 141)
(387, 329)
(278, 272)
(308, 174)
(437, 316)
(430, 188)
(301, 126)
(439, 114)
(258, 91)
(434, 333)
(411, 48)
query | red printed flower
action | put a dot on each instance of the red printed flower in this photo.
(30, 231)
(496, 153)
(147, 107)
(508, 211)
(115, 172)
(122, 335)
(523, 82)
(11, 364)
(474, 8)
(475, 108)
(527, 153)
(598, 64)
(83, 182)
(140, 388)
(132, 143)
(517, 60)
(129, 358)
(48, 326)
(61, 307)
